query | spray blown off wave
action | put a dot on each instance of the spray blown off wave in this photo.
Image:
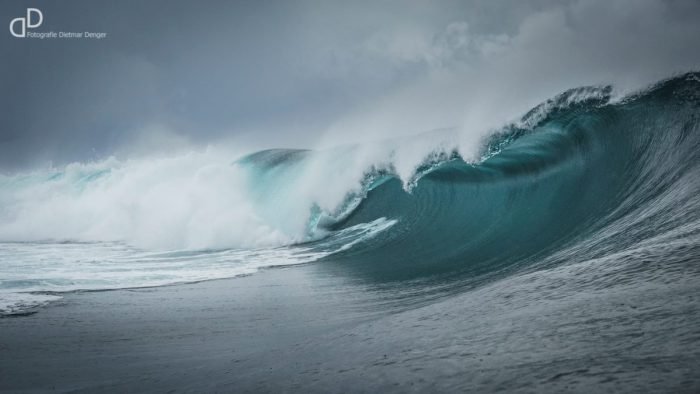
(580, 177)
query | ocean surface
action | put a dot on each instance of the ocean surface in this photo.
(587, 205)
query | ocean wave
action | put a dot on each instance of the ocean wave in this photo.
(578, 177)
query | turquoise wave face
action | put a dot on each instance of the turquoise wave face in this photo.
(577, 179)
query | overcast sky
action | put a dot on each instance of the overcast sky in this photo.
(172, 75)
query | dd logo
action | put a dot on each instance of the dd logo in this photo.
(26, 23)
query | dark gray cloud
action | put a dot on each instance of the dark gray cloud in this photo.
(293, 73)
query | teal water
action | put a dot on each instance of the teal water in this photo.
(584, 180)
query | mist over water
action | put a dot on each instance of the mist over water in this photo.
(300, 75)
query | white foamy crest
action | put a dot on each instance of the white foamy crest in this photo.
(193, 201)
(200, 200)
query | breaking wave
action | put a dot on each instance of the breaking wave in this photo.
(579, 177)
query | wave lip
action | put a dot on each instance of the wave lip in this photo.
(580, 172)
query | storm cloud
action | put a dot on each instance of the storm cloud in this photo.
(173, 75)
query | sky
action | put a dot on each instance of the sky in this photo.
(173, 76)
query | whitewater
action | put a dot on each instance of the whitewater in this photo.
(583, 177)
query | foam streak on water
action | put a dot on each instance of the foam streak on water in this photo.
(32, 274)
